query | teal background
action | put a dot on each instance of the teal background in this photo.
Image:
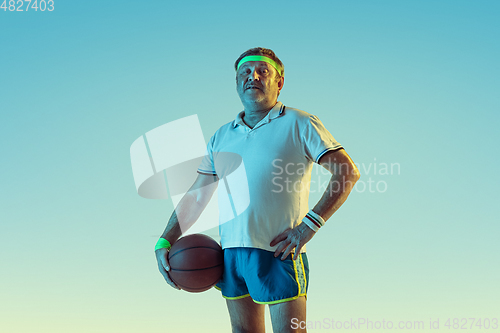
(408, 82)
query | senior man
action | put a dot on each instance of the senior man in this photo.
(270, 138)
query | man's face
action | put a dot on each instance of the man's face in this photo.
(256, 83)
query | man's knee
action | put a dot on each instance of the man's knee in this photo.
(283, 313)
(246, 316)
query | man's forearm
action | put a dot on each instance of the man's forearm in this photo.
(172, 231)
(183, 217)
(335, 194)
(190, 207)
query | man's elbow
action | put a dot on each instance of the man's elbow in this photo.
(348, 176)
(351, 176)
(355, 175)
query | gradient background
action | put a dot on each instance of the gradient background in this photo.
(408, 82)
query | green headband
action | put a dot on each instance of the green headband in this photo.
(259, 58)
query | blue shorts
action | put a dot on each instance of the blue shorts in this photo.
(257, 273)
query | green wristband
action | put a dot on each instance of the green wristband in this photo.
(163, 244)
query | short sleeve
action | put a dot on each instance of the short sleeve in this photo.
(207, 163)
(317, 139)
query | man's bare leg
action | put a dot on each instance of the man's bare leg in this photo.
(283, 313)
(246, 315)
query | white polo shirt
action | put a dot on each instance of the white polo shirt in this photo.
(277, 156)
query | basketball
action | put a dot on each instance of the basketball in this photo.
(196, 263)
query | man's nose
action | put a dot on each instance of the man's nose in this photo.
(254, 75)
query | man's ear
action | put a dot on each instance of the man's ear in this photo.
(281, 82)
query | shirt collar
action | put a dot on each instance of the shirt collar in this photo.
(275, 112)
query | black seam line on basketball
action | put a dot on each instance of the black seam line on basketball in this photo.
(194, 247)
(195, 269)
(199, 288)
(196, 289)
